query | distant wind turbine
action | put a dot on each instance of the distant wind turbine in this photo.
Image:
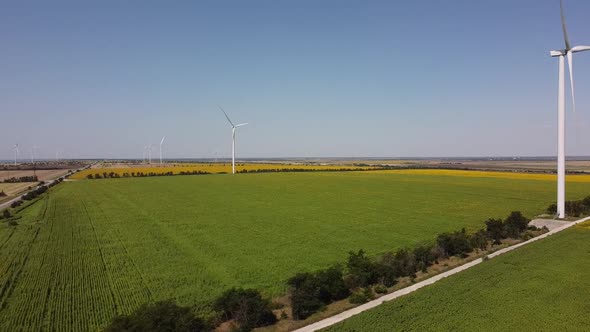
(33, 153)
(16, 152)
(149, 151)
(566, 52)
(161, 142)
(233, 140)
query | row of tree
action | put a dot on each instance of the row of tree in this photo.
(246, 309)
(114, 175)
(310, 292)
(30, 178)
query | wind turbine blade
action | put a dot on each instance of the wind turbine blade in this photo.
(569, 62)
(565, 37)
(162, 141)
(227, 117)
(241, 124)
(580, 48)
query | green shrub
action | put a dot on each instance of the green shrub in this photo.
(424, 256)
(361, 271)
(479, 240)
(515, 224)
(385, 269)
(358, 298)
(380, 289)
(404, 263)
(455, 244)
(246, 307)
(331, 284)
(6, 214)
(310, 292)
(361, 296)
(495, 230)
(305, 299)
(160, 316)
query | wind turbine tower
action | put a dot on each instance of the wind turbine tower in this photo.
(233, 140)
(161, 142)
(562, 54)
(16, 152)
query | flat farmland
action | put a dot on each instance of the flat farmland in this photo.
(540, 287)
(94, 248)
(42, 174)
(11, 189)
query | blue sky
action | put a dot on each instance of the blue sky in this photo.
(313, 78)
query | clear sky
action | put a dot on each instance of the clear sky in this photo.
(313, 78)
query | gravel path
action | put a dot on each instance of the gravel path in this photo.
(557, 226)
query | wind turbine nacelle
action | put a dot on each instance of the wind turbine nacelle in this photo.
(557, 53)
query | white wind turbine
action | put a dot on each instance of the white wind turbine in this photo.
(149, 151)
(566, 52)
(16, 152)
(161, 142)
(33, 154)
(233, 140)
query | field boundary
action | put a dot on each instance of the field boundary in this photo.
(410, 289)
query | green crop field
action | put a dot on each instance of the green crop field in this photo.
(541, 287)
(91, 249)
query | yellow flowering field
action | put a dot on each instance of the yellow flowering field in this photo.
(213, 168)
(583, 178)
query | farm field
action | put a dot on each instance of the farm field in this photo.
(11, 189)
(92, 249)
(42, 174)
(541, 287)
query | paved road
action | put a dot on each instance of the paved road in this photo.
(369, 305)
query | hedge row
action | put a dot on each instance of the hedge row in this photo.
(246, 308)
(573, 208)
(114, 175)
(32, 178)
(310, 292)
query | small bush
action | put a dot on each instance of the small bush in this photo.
(424, 256)
(361, 271)
(479, 240)
(12, 223)
(385, 269)
(455, 244)
(358, 298)
(495, 229)
(380, 289)
(331, 284)
(6, 214)
(515, 224)
(160, 316)
(404, 263)
(305, 299)
(361, 296)
(310, 292)
(246, 307)
(3, 194)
